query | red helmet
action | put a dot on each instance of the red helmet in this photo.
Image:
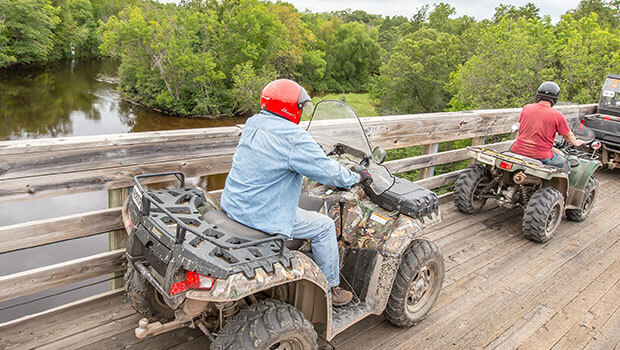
(285, 98)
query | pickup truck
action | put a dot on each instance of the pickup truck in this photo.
(606, 123)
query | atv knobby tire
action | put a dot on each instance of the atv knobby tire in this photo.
(417, 284)
(267, 324)
(468, 183)
(590, 191)
(145, 299)
(543, 214)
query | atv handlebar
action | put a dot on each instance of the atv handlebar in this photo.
(182, 228)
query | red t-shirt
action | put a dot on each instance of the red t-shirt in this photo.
(538, 124)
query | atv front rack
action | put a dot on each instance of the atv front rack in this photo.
(181, 228)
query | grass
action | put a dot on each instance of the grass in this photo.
(361, 103)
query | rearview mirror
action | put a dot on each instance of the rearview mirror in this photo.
(378, 155)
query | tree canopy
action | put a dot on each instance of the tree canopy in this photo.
(212, 57)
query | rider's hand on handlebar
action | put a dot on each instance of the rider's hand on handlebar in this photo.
(578, 143)
(365, 177)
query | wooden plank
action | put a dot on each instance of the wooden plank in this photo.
(117, 239)
(36, 233)
(81, 142)
(128, 339)
(430, 149)
(70, 161)
(66, 321)
(588, 326)
(555, 289)
(488, 314)
(439, 180)
(59, 311)
(556, 327)
(525, 327)
(106, 179)
(44, 278)
(608, 336)
(94, 334)
(419, 162)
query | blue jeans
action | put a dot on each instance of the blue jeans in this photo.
(557, 161)
(320, 230)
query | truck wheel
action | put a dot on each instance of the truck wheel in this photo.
(590, 197)
(417, 284)
(468, 186)
(268, 324)
(145, 299)
(543, 214)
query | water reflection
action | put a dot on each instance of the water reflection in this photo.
(75, 100)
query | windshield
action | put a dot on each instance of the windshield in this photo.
(610, 95)
(335, 123)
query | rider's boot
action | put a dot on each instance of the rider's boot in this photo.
(340, 296)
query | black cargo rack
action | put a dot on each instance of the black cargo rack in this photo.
(182, 228)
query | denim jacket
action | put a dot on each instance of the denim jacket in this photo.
(264, 184)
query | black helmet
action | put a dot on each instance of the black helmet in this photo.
(548, 91)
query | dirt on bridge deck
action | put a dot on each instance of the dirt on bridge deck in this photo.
(501, 291)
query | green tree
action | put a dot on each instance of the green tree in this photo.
(163, 61)
(352, 56)
(414, 78)
(527, 11)
(27, 30)
(608, 12)
(586, 54)
(77, 29)
(512, 58)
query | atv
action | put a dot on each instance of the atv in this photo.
(190, 265)
(606, 124)
(544, 192)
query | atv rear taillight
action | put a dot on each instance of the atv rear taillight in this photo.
(505, 165)
(193, 280)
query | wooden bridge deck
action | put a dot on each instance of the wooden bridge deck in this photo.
(500, 291)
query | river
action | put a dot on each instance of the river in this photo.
(69, 99)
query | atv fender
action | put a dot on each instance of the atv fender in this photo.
(559, 182)
(310, 288)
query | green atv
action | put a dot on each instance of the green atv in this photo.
(190, 265)
(544, 192)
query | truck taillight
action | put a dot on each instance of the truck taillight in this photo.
(505, 165)
(193, 280)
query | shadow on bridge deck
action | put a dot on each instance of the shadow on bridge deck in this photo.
(500, 291)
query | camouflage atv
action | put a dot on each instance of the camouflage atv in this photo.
(544, 192)
(190, 265)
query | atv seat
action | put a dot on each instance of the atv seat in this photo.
(524, 158)
(220, 219)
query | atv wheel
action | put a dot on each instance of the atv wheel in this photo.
(268, 324)
(417, 284)
(543, 214)
(145, 299)
(590, 197)
(468, 187)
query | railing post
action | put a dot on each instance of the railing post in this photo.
(117, 239)
(476, 141)
(430, 171)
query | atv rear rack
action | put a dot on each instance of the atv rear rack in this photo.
(182, 228)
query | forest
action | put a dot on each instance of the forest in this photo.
(212, 57)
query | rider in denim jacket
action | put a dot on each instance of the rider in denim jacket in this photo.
(264, 184)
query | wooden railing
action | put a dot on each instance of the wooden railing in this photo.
(32, 169)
